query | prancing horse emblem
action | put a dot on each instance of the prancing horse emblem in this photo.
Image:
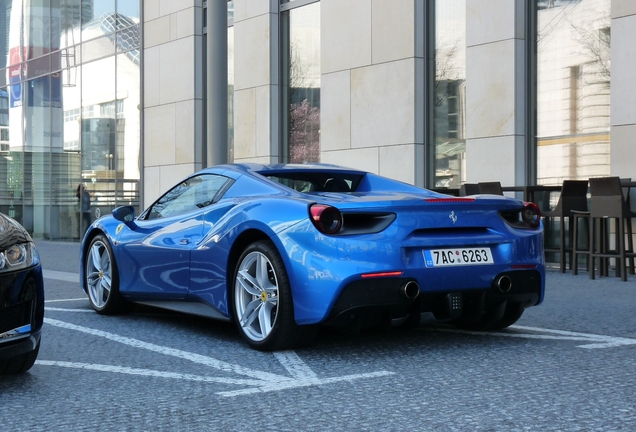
(453, 217)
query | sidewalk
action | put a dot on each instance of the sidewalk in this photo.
(573, 303)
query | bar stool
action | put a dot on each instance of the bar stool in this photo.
(468, 189)
(493, 188)
(629, 214)
(607, 203)
(573, 198)
(577, 217)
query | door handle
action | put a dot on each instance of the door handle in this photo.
(184, 241)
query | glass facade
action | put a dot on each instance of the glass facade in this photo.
(300, 39)
(69, 111)
(573, 90)
(449, 93)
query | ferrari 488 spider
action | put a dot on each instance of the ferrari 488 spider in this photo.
(282, 249)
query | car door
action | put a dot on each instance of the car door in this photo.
(155, 257)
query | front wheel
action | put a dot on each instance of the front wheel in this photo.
(262, 300)
(102, 278)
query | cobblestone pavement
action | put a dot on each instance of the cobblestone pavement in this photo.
(568, 365)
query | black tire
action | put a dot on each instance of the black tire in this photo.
(262, 303)
(511, 315)
(101, 278)
(21, 363)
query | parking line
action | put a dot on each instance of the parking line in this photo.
(594, 341)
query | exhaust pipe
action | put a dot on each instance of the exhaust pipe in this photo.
(504, 283)
(410, 290)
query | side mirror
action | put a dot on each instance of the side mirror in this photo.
(125, 214)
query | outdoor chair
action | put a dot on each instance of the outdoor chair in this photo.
(468, 189)
(573, 198)
(608, 203)
(493, 188)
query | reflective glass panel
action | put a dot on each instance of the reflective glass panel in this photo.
(97, 48)
(449, 93)
(99, 133)
(129, 9)
(573, 90)
(127, 132)
(230, 92)
(98, 18)
(301, 87)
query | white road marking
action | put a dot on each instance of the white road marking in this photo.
(302, 375)
(66, 300)
(595, 341)
(58, 275)
(69, 310)
(284, 386)
(603, 341)
(259, 377)
(142, 372)
(296, 367)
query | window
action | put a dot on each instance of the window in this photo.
(194, 193)
(300, 37)
(449, 94)
(573, 90)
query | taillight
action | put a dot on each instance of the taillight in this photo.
(326, 218)
(531, 215)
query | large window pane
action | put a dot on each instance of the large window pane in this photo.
(50, 116)
(301, 85)
(129, 9)
(95, 14)
(98, 133)
(449, 93)
(230, 87)
(127, 135)
(573, 90)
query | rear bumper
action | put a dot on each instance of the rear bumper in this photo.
(366, 303)
(325, 270)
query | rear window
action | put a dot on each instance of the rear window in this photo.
(318, 181)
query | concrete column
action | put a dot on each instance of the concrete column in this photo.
(217, 83)
(496, 145)
(623, 91)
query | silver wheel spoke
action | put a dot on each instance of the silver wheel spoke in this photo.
(261, 271)
(265, 318)
(95, 257)
(251, 313)
(251, 286)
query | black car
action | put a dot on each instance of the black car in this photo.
(21, 298)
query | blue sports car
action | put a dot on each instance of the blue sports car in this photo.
(282, 249)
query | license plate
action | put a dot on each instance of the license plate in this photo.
(457, 257)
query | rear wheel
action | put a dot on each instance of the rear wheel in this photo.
(102, 278)
(511, 315)
(262, 301)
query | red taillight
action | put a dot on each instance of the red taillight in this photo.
(326, 218)
(381, 274)
(531, 215)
